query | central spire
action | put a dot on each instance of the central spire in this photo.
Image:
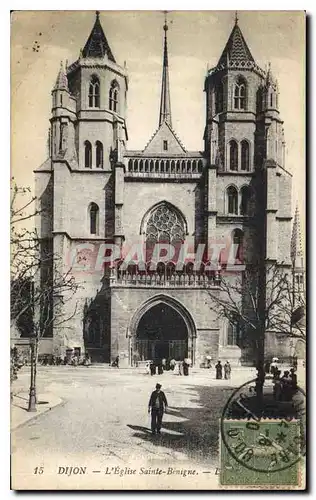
(165, 107)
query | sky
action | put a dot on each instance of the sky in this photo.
(40, 39)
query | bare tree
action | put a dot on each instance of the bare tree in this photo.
(240, 301)
(40, 285)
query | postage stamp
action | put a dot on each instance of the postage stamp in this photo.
(267, 452)
(263, 440)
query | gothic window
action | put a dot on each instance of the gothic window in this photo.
(238, 239)
(94, 92)
(165, 225)
(94, 218)
(87, 154)
(165, 145)
(240, 95)
(245, 200)
(114, 97)
(233, 331)
(245, 155)
(232, 200)
(99, 154)
(271, 100)
(233, 155)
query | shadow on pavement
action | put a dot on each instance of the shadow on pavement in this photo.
(197, 434)
(139, 428)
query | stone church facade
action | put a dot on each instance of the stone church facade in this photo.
(93, 192)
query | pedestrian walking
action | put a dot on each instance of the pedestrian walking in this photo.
(172, 364)
(277, 386)
(208, 361)
(160, 367)
(219, 370)
(227, 370)
(152, 367)
(157, 406)
(180, 367)
(274, 366)
(186, 364)
(293, 378)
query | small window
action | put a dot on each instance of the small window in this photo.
(165, 145)
(99, 154)
(94, 218)
(240, 95)
(232, 200)
(61, 99)
(114, 97)
(245, 155)
(87, 154)
(271, 100)
(94, 92)
(233, 333)
(233, 155)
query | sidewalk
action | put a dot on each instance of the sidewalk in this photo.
(19, 406)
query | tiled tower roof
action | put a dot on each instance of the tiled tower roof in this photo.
(97, 44)
(236, 49)
(61, 80)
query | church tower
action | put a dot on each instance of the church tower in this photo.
(99, 86)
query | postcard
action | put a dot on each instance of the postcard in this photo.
(158, 291)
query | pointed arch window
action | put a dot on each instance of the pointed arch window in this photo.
(94, 92)
(99, 154)
(164, 225)
(233, 155)
(114, 97)
(237, 240)
(240, 95)
(232, 200)
(245, 156)
(233, 333)
(87, 154)
(94, 218)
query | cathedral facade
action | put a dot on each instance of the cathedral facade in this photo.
(96, 195)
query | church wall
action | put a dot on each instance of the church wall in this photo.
(44, 194)
(95, 131)
(74, 193)
(140, 197)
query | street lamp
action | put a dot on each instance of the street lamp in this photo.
(32, 394)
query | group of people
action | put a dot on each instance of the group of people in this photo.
(219, 370)
(74, 360)
(284, 387)
(159, 366)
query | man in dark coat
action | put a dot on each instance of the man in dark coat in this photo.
(219, 370)
(157, 405)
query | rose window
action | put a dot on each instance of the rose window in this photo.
(164, 224)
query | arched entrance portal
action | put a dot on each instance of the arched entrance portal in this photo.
(162, 328)
(162, 333)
